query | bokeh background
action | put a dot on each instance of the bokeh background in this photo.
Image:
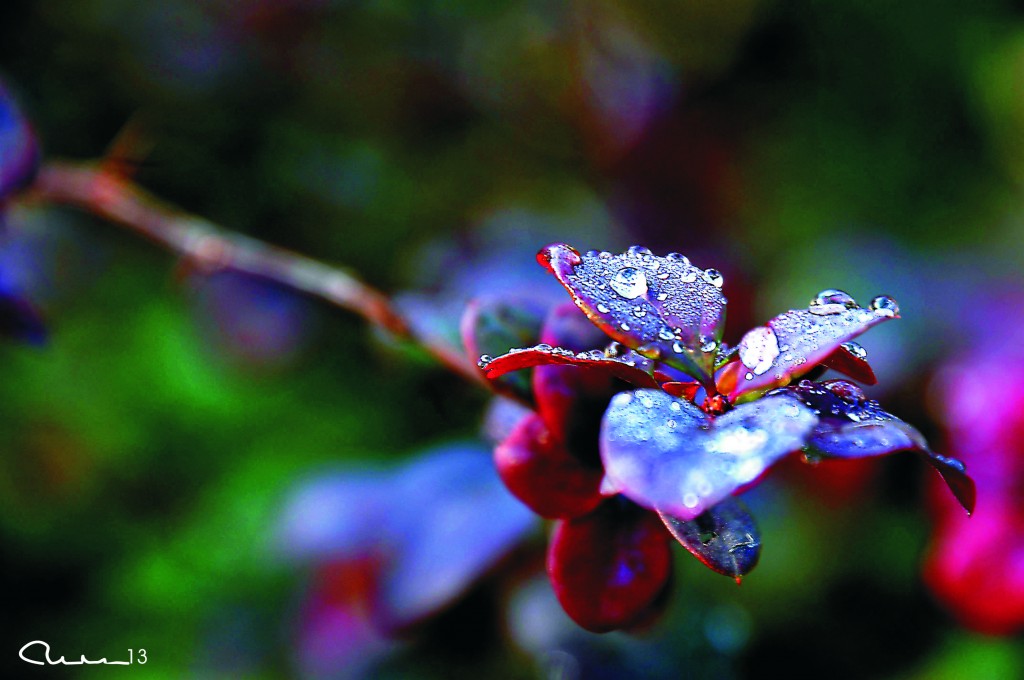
(209, 467)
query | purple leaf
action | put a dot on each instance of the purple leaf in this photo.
(623, 368)
(19, 152)
(666, 454)
(795, 342)
(453, 520)
(725, 538)
(493, 326)
(663, 307)
(852, 426)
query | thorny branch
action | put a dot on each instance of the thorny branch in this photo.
(106, 193)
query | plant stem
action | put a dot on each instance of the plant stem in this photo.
(109, 195)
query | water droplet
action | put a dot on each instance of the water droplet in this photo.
(605, 255)
(855, 349)
(484, 360)
(831, 301)
(629, 282)
(847, 391)
(675, 406)
(593, 253)
(690, 500)
(638, 250)
(543, 347)
(759, 349)
(707, 344)
(624, 326)
(639, 312)
(663, 276)
(670, 423)
(662, 297)
(647, 402)
(883, 305)
(749, 376)
(678, 257)
(714, 277)
(689, 276)
(602, 308)
(613, 350)
(677, 348)
(666, 334)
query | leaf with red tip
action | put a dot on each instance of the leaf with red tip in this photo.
(607, 568)
(795, 342)
(623, 368)
(852, 426)
(492, 326)
(539, 471)
(725, 538)
(663, 307)
(850, 359)
(665, 453)
(683, 390)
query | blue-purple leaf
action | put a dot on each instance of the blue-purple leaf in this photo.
(666, 454)
(725, 538)
(663, 307)
(852, 426)
(795, 342)
(19, 152)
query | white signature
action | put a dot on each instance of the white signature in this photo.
(46, 655)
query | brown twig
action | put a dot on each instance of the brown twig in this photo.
(209, 247)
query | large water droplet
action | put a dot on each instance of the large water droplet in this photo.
(666, 334)
(707, 344)
(855, 349)
(638, 250)
(678, 257)
(629, 282)
(758, 349)
(883, 305)
(714, 277)
(484, 360)
(831, 301)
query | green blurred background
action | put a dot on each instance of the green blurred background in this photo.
(148, 448)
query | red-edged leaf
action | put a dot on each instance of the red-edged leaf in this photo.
(19, 152)
(607, 568)
(492, 326)
(725, 538)
(795, 342)
(683, 390)
(623, 368)
(539, 471)
(850, 359)
(663, 307)
(665, 453)
(852, 426)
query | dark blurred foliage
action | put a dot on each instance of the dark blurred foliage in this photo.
(150, 446)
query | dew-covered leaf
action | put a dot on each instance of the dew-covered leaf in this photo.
(665, 453)
(493, 326)
(852, 426)
(609, 566)
(19, 152)
(663, 307)
(725, 538)
(623, 368)
(538, 469)
(795, 342)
